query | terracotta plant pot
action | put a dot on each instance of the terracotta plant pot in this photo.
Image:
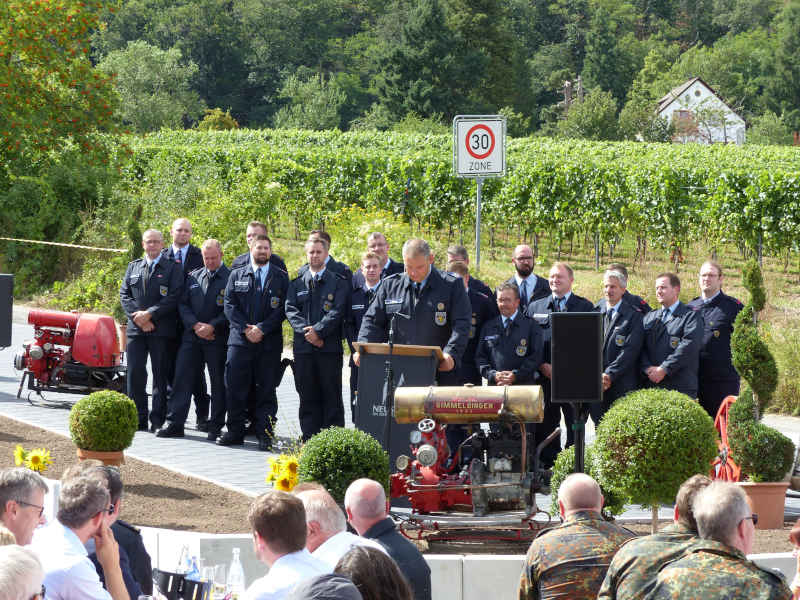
(113, 459)
(768, 501)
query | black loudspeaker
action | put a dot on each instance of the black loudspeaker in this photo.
(576, 350)
(6, 308)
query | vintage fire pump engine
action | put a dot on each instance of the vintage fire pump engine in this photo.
(491, 471)
(71, 352)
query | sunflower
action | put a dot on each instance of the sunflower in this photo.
(291, 465)
(38, 459)
(274, 469)
(284, 484)
(20, 455)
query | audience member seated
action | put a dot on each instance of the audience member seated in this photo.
(716, 567)
(83, 513)
(375, 574)
(22, 502)
(325, 587)
(278, 522)
(327, 537)
(633, 570)
(571, 559)
(368, 513)
(133, 558)
(20, 574)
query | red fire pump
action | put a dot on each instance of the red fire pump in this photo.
(71, 352)
(502, 471)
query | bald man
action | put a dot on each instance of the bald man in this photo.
(368, 513)
(571, 559)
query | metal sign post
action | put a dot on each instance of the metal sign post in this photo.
(479, 151)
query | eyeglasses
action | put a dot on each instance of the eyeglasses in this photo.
(41, 508)
(39, 594)
(753, 517)
(524, 258)
(110, 509)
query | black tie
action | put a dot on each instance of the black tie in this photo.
(207, 281)
(178, 259)
(506, 325)
(370, 296)
(258, 280)
(665, 315)
(523, 293)
(147, 272)
(608, 320)
(416, 292)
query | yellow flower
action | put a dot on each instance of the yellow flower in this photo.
(284, 484)
(274, 469)
(38, 459)
(291, 465)
(19, 455)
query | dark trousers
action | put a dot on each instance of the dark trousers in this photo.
(713, 391)
(255, 366)
(199, 383)
(138, 349)
(318, 379)
(193, 357)
(551, 420)
(353, 389)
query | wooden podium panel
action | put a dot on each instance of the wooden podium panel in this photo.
(413, 366)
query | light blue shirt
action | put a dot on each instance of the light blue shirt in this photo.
(68, 572)
(264, 271)
(286, 572)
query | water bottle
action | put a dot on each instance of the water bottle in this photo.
(193, 573)
(235, 582)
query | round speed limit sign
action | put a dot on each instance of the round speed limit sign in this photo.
(479, 146)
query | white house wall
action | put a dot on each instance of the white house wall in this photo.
(698, 95)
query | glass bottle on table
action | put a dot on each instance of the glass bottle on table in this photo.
(235, 582)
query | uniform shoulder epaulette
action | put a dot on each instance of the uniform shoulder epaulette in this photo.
(393, 277)
(278, 269)
(481, 294)
(195, 272)
(449, 277)
(341, 275)
(694, 308)
(128, 526)
(298, 278)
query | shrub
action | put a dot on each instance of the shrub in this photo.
(103, 421)
(763, 453)
(565, 465)
(216, 120)
(650, 442)
(336, 456)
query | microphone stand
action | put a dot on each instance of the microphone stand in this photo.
(388, 384)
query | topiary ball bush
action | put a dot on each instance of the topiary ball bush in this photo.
(650, 442)
(103, 421)
(336, 456)
(565, 465)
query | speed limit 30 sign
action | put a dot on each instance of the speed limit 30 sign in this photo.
(479, 145)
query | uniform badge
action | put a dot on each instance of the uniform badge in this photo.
(327, 306)
(274, 302)
(241, 285)
(523, 342)
(440, 306)
(330, 296)
(440, 318)
(521, 350)
(619, 340)
(221, 298)
(711, 323)
(163, 290)
(716, 333)
(674, 341)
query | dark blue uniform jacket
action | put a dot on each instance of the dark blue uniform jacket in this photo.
(622, 344)
(197, 307)
(322, 305)
(244, 305)
(159, 296)
(715, 352)
(519, 349)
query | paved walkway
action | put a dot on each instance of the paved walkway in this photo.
(237, 468)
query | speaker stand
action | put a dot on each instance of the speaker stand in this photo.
(579, 427)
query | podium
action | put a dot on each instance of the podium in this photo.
(413, 366)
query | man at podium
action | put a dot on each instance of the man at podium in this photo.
(430, 308)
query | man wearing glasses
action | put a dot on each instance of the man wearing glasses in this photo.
(20, 516)
(531, 286)
(84, 513)
(716, 567)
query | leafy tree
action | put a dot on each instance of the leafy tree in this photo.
(216, 120)
(49, 90)
(601, 66)
(155, 88)
(593, 119)
(769, 128)
(737, 16)
(784, 86)
(429, 70)
(314, 103)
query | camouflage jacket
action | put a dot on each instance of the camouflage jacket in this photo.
(711, 570)
(633, 570)
(570, 560)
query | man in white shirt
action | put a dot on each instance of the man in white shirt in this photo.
(327, 537)
(83, 514)
(278, 521)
